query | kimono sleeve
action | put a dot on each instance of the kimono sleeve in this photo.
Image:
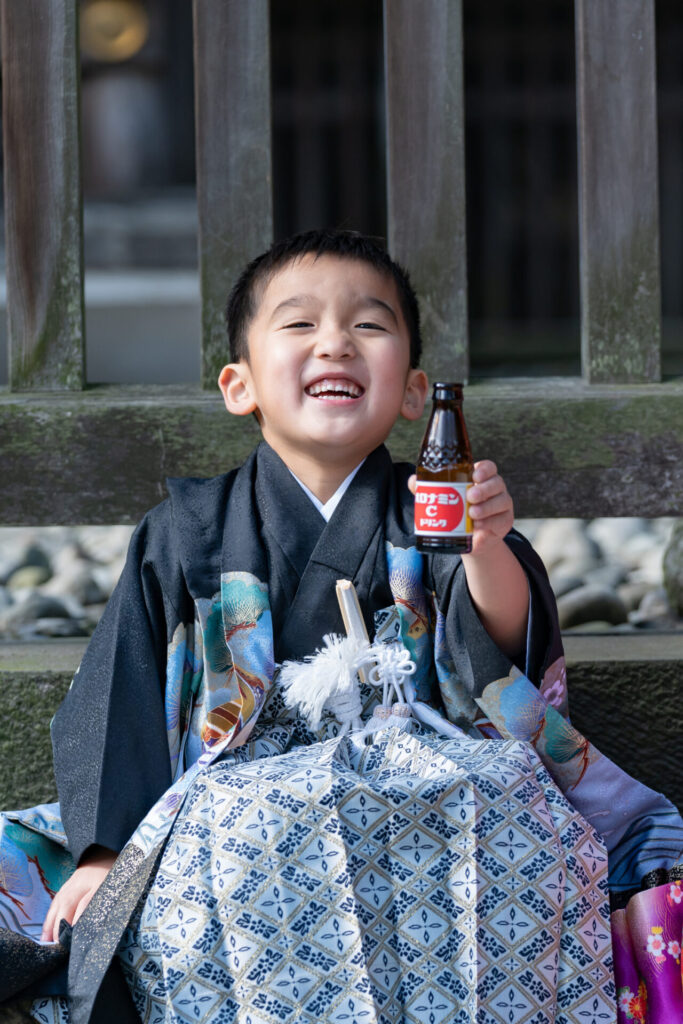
(476, 657)
(110, 746)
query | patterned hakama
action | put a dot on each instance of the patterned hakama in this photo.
(417, 879)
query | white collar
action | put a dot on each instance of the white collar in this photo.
(330, 505)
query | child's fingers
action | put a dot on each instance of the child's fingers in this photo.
(63, 911)
(85, 900)
(483, 470)
(497, 505)
(59, 908)
(51, 926)
(487, 485)
(478, 493)
(48, 923)
(497, 526)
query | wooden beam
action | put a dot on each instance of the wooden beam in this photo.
(43, 215)
(564, 448)
(618, 206)
(426, 170)
(233, 139)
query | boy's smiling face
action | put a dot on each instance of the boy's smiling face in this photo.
(329, 362)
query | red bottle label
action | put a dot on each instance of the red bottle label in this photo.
(441, 510)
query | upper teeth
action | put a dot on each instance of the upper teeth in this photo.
(345, 386)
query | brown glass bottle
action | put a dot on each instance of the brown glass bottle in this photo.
(444, 470)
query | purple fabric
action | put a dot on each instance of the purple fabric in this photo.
(647, 938)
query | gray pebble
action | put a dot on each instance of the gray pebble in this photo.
(672, 568)
(562, 583)
(654, 608)
(85, 588)
(596, 626)
(611, 534)
(28, 576)
(565, 540)
(32, 554)
(640, 550)
(78, 581)
(35, 606)
(609, 576)
(60, 627)
(104, 543)
(68, 556)
(649, 567)
(590, 603)
(663, 625)
(633, 593)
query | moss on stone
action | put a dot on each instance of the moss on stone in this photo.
(28, 700)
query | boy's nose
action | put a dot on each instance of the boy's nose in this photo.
(335, 343)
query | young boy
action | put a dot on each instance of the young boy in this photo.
(232, 576)
(325, 345)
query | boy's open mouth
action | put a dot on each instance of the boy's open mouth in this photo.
(334, 388)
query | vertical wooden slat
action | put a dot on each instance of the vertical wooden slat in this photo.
(232, 102)
(43, 210)
(426, 169)
(619, 231)
(308, 154)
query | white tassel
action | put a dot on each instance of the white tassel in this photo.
(326, 679)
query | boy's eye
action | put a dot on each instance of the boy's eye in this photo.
(299, 323)
(369, 325)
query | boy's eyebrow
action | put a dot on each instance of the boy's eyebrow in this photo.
(365, 301)
(370, 300)
(294, 300)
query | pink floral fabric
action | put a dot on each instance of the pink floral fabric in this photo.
(647, 937)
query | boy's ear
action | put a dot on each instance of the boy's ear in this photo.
(415, 396)
(234, 380)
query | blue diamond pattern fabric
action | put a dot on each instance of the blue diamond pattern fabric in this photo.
(413, 880)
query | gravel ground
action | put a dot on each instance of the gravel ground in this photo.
(606, 573)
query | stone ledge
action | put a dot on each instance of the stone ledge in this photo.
(625, 692)
(580, 648)
(598, 648)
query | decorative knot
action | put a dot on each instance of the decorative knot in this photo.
(392, 666)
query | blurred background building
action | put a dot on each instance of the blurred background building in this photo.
(142, 292)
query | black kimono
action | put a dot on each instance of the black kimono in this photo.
(175, 700)
(114, 737)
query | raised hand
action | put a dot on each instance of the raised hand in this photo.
(491, 508)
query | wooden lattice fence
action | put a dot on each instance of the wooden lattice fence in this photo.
(607, 443)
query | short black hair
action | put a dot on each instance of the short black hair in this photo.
(351, 245)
